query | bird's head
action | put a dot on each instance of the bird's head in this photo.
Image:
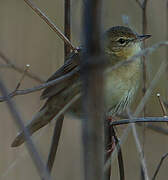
(121, 42)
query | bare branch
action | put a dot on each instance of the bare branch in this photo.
(139, 120)
(144, 31)
(50, 23)
(164, 111)
(11, 64)
(67, 24)
(59, 122)
(159, 166)
(139, 148)
(139, 3)
(40, 87)
(54, 143)
(92, 68)
(42, 170)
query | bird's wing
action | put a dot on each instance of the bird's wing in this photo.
(71, 63)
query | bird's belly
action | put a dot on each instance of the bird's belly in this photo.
(119, 91)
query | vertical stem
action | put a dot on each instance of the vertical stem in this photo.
(108, 145)
(92, 66)
(167, 47)
(59, 122)
(144, 31)
(144, 88)
(67, 24)
(54, 143)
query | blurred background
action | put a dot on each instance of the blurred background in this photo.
(26, 39)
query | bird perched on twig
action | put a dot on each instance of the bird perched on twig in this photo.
(120, 43)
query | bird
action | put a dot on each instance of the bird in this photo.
(119, 44)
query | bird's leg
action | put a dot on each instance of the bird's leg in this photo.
(110, 134)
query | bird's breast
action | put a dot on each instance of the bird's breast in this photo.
(121, 84)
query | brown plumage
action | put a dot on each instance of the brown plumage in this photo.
(120, 43)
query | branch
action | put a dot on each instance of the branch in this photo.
(159, 166)
(139, 120)
(54, 143)
(59, 122)
(50, 23)
(11, 64)
(67, 24)
(92, 69)
(42, 170)
(139, 3)
(40, 87)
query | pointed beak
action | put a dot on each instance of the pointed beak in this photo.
(143, 37)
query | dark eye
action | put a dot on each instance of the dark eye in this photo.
(122, 41)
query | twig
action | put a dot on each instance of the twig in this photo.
(50, 23)
(144, 31)
(22, 77)
(109, 141)
(59, 122)
(167, 47)
(11, 64)
(157, 129)
(42, 170)
(139, 120)
(164, 111)
(139, 149)
(159, 166)
(92, 67)
(139, 3)
(120, 158)
(67, 24)
(40, 87)
(54, 143)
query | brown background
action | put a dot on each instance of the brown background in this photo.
(26, 39)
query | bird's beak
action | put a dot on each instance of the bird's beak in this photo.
(143, 37)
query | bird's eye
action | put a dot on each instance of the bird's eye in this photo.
(122, 41)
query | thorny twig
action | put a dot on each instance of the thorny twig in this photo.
(50, 23)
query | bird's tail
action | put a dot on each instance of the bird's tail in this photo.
(41, 119)
(52, 107)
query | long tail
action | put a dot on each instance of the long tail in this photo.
(51, 108)
(41, 119)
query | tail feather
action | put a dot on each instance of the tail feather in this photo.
(51, 108)
(38, 121)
